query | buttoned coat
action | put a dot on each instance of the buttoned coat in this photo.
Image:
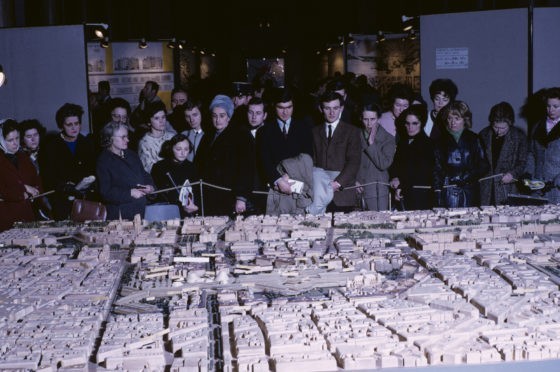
(341, 153)
(512, 159)
(225, 160)
(543, 158)
(413, 165)
(13, 205)
(374, 164)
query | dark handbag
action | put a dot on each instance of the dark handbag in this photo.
(87, 210)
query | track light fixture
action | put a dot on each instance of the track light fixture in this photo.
(99, 29)
(408, 22)
(380, 36)
(172, 44)
(142, 44)
(104, 43)
(411, 34)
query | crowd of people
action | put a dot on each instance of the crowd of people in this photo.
(273, 150)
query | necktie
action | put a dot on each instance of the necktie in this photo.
(329, 135)
(285, 130)
(195, 145)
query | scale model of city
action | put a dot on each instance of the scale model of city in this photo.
(358, 291)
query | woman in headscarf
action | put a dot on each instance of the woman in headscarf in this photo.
(19, 181)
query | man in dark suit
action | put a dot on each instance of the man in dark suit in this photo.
(336, 151)
(281, 138)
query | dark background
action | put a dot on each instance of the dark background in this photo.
(239, 29)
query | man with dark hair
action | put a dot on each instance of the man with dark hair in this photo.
(256, 115)
(192, 112)
(336, 157)
(281, 138)
(339, 86)
(241, 96)
(176, 116)
(148, 95)
(103, 91)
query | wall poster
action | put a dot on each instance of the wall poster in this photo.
(395, 60)
(127, 68)
(266, 69)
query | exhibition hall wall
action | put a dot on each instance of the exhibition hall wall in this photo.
(127, 68)
(546, 54)
(45, 67)
(485, 53)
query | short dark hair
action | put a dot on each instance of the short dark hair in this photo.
(166, 151)
(371, 106)
(108, 132)
(67, 110)
(552, 93)
(155, 86)
(8, 126)
(446, 86)
(336, 84)
(103, 85)
(282, 95)
(256, 101)
(153, 108)
(331, 95)
(179, 89)
(418, 110)
(191, 104)
(502, 112)
(119, 102)
(401, 91)
(28, 124)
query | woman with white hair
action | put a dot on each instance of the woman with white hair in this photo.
(223, 160)
(123, 182)
(19, 181)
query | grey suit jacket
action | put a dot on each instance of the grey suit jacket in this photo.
(342, 154)
(194, 140)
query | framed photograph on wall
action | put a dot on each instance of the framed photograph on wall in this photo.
(395, 60)
(266, 69)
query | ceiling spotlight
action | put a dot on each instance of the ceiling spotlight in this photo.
(213, 54)
(104, 43)
(380, 36)
(408, 22)
(2, 76)
(412, 34)
(284, 51)
(318, 52)
(98, 29)
(142, 44)
(350, 39)
(172, 44)
(202, 52)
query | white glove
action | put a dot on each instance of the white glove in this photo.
(85, 183)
